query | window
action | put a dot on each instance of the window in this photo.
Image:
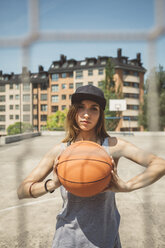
(135, 85)
(70, 96)
(2, 117)
(136, 73)
(71, 86)
(55, 88)
(100, 71)
(91, 63)
(126, 72)
(16, 106)
(83, 62)
(2, 108)
(44, 107)
(43, 76)
(26, 98)
(11, 86)
(2, 88)
(78, 85)
(90, 72)
(79, 74)
(100, 83)
(90, 83)
(11, 107)
(35, 117)
(126, 84)
(63, 86)
(131, 95)
(55, 77)
(2, 127)
(44, 86)
(70, 74)
(17, 86)
(35, 86)
(103, 62)
(2, 98)
(63, 97)
(129, 84)
(43, 97)
(63, 107)
(26, 117)
(43, 117)
(17, 117)
(55, 98)
(11, 117)
(11, 97)
(133, 107)
(16, 97)
(54, 108)
(63, 75)
(26, 86)
(26, 107)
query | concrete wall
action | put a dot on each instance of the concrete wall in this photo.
(14, 138)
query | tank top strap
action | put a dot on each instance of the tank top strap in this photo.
(105, 145)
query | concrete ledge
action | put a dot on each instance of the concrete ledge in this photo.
(14, 138)
(58, 133)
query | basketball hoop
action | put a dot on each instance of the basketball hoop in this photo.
(117, 105)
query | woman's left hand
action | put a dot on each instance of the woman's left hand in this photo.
(116, 183)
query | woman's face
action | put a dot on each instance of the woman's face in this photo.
(87, 115)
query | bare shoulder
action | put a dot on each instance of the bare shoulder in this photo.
(119, 147)
(56, 150)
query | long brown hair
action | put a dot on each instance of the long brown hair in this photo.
(72, 129)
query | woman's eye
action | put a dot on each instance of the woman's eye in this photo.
(95, 109)
(80, 107)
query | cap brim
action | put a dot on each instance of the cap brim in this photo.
(78, 97)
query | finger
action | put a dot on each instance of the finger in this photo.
(114, 176)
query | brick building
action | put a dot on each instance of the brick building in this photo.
(32, 97)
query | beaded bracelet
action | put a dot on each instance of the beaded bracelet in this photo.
(45, 185)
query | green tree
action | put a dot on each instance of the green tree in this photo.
(19, 127)
(111, 91)
(57, 121)
(160, 81)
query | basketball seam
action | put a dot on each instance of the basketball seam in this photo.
(84, 182)
(96, 160)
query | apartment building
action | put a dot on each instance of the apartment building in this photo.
(32, 97)
(15, 99)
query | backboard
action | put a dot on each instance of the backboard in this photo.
(117, 105)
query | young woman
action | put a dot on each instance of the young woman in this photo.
(89, 222)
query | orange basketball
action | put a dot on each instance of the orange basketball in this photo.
(84, 168)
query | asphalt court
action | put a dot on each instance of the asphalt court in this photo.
(31, 222)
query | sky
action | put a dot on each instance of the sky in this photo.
(77, 15)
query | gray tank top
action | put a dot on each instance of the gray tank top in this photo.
(87, 222)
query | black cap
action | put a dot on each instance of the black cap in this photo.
(89, 92)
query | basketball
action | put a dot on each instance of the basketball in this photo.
(84, 168)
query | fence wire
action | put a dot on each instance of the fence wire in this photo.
(151, 37)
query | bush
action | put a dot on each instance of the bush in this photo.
(19, 127)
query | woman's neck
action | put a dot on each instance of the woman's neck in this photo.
(91, 136)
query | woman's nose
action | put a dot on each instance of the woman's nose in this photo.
(86, 114)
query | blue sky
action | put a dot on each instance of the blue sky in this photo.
(76, 15)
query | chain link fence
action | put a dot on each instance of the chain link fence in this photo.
(151, 37)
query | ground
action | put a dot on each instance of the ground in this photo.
(31, 223)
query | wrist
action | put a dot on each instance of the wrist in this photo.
(129, 187)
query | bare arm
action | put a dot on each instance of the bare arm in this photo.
(34, 183)
(155, 168)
